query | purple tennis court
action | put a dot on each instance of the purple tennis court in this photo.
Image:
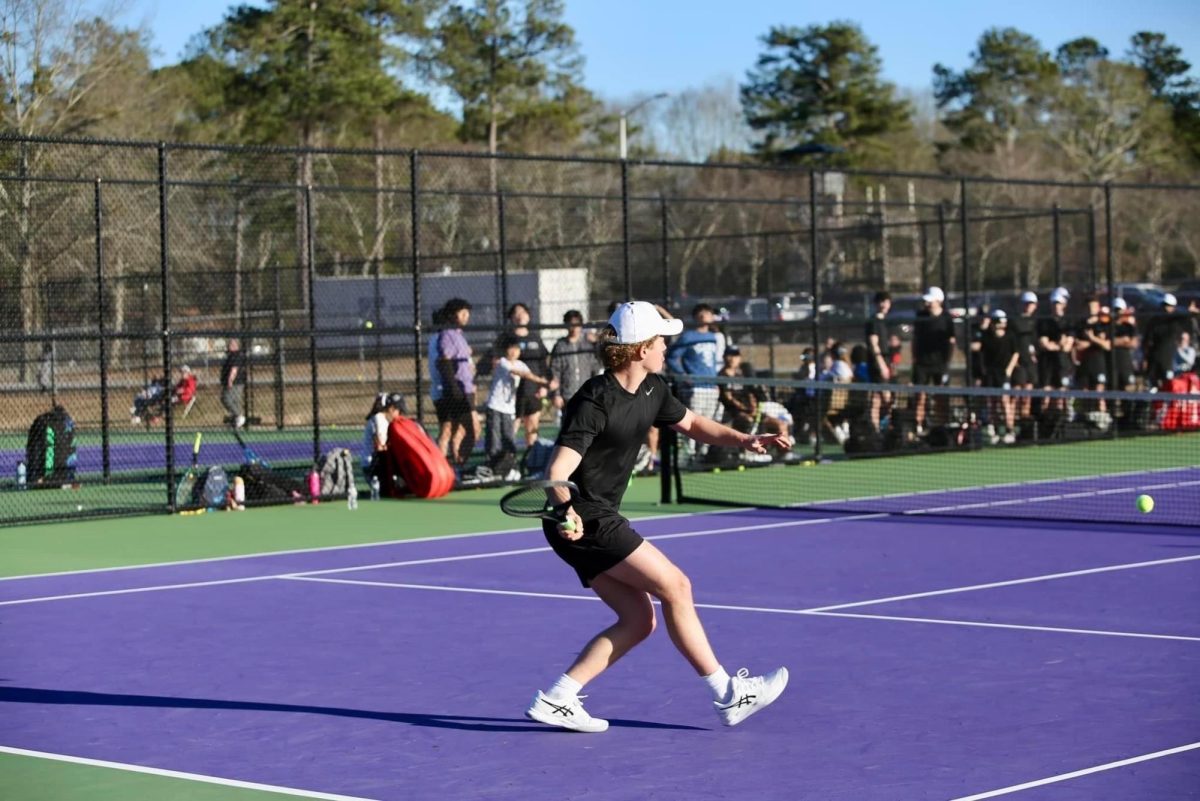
(931, 658)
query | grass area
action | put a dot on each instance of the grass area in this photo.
(847, 478)
(98, 543)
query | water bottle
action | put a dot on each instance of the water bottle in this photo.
(352, 497)
(314, 485)
(374, 488)
(21, 475)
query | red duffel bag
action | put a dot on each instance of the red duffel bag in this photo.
(422, 466)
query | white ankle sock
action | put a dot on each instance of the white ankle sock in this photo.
(565, 687)
(718, 682)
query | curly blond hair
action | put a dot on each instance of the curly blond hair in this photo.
(617, 355)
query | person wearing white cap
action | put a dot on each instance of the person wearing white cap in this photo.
(1162, 337)
(999, 357)
(1092, 346)
(1125, 343)
(603, 426)
(1055, 343)
(1023, 328)
(932, 348)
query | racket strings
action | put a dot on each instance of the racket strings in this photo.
(530, 501)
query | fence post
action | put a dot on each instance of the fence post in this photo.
(165, 304)
(815, 287)
(1056, 217)
(966, 278)
(415, 219)
(377, 321)
(1092, 247)
(1109, 277)
(666, 252)
(943, 255)
(502, 234)
(280, 410)
(310, 251)
(772, 333)
(625, 229)
(105, 455)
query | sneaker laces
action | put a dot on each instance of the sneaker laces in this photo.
(748, 682)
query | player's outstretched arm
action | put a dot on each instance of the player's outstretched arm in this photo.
(710, 432)
(563, 462)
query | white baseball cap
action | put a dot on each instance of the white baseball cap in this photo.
(638, 321)
(998, 314)
(933, 294)
(1119, 303)
(1060, 295)
(1065, 292)
(1028, 297)
(1169, 300)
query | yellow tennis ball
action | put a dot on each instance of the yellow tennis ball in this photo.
(369, 324)
(716, 470)
(741, 468)
(1145, 504)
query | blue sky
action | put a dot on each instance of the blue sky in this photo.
(636, 47)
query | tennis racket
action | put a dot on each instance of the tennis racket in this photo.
(535, 500)
(248, 454)
(183, 492)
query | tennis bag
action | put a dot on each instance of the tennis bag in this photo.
(1181, 415)
(423, 467)
(50, 447)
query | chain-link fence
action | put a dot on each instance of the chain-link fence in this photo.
(122, 262)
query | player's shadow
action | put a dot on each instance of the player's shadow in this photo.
(34, 695)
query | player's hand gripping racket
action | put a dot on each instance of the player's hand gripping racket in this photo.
(540, 499)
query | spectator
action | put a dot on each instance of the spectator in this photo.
(879, 370)
(233, 382)
(895, 353)
(698, 352)
(1054, 349)
(979, 325)
(998, 358)
(1023, 329)
(736, 399)
(572, 360)
(535, 357)
(1092, 347)
(453, 374)
(747, 408)
(375, 457)
(1185, 354)
(185, 387)
(148, 403)
(836, 369)
(932, 347)
(45, 370)
(801, 403)
(1161, 340)
(1125, 344)
(507, 376)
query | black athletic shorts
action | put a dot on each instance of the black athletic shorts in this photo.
(926, 375)
(605, 543)
(1053, 373)
(453, 409)
(1023, 375)
(1090, 373)
(528, 404)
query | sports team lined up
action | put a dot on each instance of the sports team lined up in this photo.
(1021, 349)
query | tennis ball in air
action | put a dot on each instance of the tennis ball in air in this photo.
(369, 324)
(1145, 503)
(716, 470)
(741, 468)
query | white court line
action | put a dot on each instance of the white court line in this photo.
(350, 547)
(175, 774)
(1059, 497)
(1008, 583)
(767, 609)
(1120, 763)
(410, 562)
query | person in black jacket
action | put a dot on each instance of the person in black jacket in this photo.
(1160, 341)
(932, 348)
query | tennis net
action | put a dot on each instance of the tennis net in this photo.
(938, 450)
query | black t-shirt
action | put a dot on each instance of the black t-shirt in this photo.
(1024, 331)
(1054, 329)
(878, 326)
(997, 351)
(931, 339)
(1160, 341)
(536, 358)
(607, 425)
(234, 359)
(1095, 356)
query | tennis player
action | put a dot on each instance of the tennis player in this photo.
(603, 426)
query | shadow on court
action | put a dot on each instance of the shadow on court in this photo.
(33, 695)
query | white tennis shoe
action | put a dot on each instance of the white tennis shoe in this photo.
(750, 694)
(564, 713)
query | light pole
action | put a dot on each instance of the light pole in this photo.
(624, 116)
